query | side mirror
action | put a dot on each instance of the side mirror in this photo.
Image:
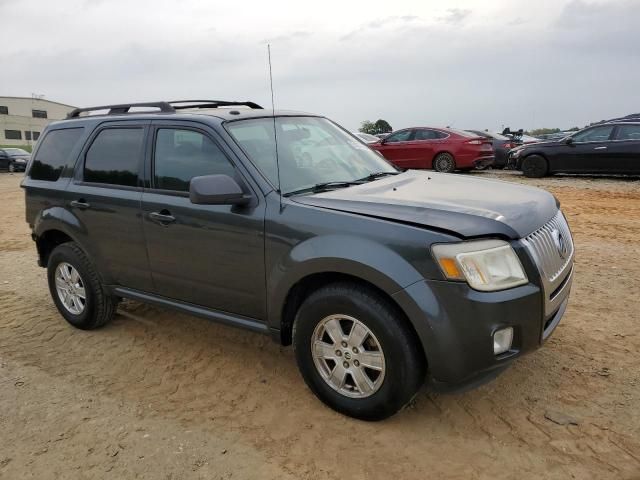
(216, 190)
(569, 141)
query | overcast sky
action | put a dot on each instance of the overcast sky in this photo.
(464, 63)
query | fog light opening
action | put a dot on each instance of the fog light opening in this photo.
(502, 340)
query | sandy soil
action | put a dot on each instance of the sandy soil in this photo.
(165, 396)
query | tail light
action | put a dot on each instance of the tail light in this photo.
(475, 142)
(509, 145)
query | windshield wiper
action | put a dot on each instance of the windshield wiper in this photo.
(323, 187)
(376, 175)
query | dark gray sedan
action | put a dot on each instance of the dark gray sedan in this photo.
(14, 159)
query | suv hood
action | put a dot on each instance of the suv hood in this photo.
(466, 206)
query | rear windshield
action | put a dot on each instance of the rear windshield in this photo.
(53, 154)
(463, 133)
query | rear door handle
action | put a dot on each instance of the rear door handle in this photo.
(163, 217)
(81, 204)
(600, 148)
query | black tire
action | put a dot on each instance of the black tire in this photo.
(534, 166)
(444, 163)
(99, 307)
(12, 168)
(404, 363)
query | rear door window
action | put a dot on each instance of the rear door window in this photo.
(628, 132)
(181, 155)
(596, 134)
(114, 157)
(53, 154)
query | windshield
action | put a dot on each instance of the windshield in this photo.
(311, 151)
(16, 151)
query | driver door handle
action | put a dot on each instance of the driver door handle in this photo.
(162, 217)
(600, 148)
(81, 204)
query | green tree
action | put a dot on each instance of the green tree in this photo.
(544, 131)
(380, 126)
(368, 127)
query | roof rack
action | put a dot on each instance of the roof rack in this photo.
(164, 107)
(211, 104)
(122, 108)
(634, 117)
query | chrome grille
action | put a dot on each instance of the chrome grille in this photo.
(551, 247)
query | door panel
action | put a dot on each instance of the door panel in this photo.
(106, 197)
(208, 255)
(625, 150)
(589, 152)
(397, 148)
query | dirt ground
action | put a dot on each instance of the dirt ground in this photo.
(160, 395)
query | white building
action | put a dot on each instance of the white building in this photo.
(22, 119)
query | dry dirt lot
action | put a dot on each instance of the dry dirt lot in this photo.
(160, 395)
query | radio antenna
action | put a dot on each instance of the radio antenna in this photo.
(275, 133)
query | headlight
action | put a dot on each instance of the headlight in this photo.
(486, 265)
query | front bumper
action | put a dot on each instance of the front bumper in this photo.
(456, 324)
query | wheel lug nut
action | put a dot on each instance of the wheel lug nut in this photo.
(356, 363)
(345, 364)
(355, 350)
(344, 344)
(338, 353)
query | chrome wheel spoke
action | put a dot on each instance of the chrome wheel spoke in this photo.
(60, 283)
(373, 360)
(324, 350)
(74, 276)
(338, 376)
(362, 381)
(81, 293)
(357, 335)
(333, 328)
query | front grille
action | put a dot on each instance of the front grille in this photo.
(552, 250)
(551, 247)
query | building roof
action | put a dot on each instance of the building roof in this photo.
(38, 99)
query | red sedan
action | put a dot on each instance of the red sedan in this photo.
(443, 149)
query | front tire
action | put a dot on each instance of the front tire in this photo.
(12, 168)
(534, 166)
(444, 163)
(356, 353)
(76, 288)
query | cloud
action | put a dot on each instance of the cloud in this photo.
(380, 23)
(455, 16)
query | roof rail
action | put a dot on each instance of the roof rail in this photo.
(634, 117)
(122, 108)
(165, 107)
(211, 104)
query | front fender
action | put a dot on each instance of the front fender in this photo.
(345, 254)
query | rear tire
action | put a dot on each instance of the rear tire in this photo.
(76, 288)
(534, 166)
(12, 168)
(367, 329)
(444, 163)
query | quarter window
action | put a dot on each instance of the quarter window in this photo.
(628, 132)
(596, 134)
(181, 155)
(402, 136)
(39, 113)
(53, 153)
(114, 157)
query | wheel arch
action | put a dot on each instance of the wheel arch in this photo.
(312, 282)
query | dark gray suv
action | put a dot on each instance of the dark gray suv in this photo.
(287, 225)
